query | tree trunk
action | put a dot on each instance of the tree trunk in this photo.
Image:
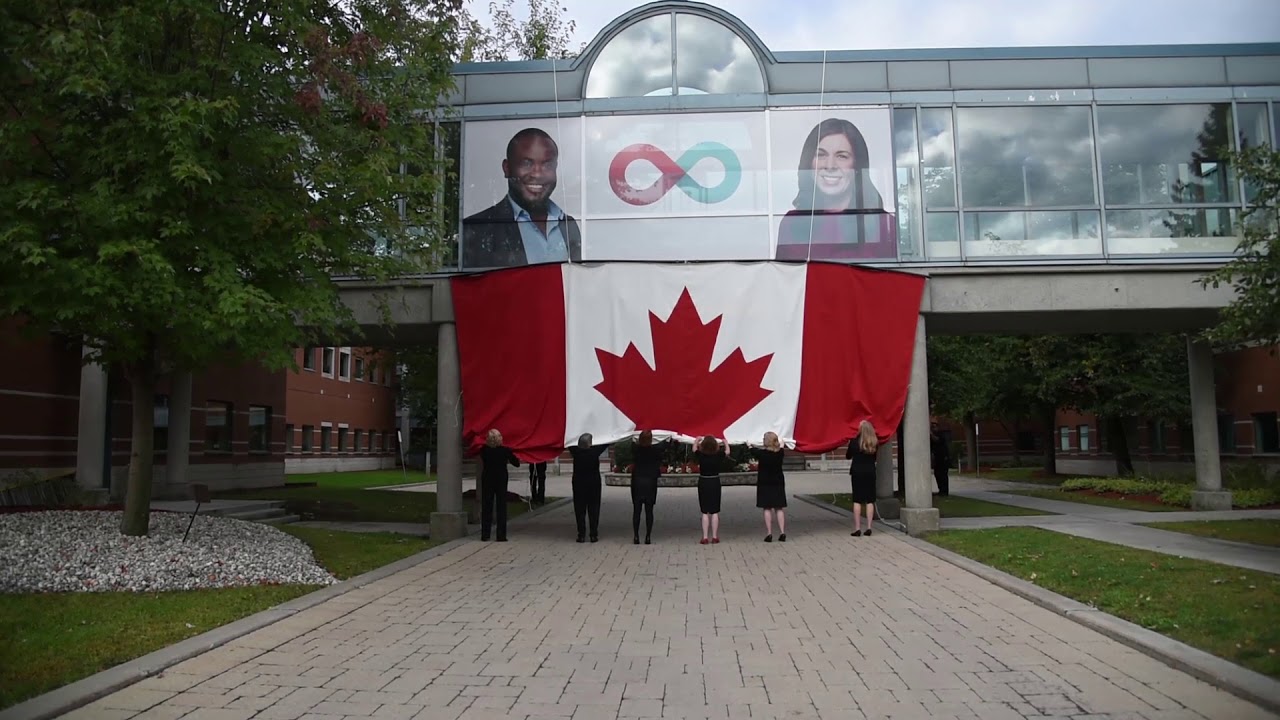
(1048, 415)
(971, 441)
(1119, 440)
(137, 499)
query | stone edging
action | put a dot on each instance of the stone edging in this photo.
(86, 690)
(1223, 674)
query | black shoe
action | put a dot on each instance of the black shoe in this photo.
(484, 538)
(595, 538)
(581, 539)
(502, 539)
(635, 540)
(856, 533)
(782, 537)
(646, 540)
(768, 538)
(868, 532)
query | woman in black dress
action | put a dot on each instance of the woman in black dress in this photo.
(771, 488)
(647, 459)
(710, 461)
(586, 486)
(862, 472)
(494, 457)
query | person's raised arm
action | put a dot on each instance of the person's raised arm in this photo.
(511, 457)
(848, 453)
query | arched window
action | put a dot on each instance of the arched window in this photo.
(674, 54)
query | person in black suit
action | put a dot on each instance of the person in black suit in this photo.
(494, 457)
(586, 486)
(941, 455)
(538, 482)
(525, 226)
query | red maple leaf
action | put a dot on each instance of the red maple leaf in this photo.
(682, 392)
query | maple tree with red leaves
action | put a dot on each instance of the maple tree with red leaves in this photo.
(682, 392)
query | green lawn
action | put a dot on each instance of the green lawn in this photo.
(951, 506)
(1223, 610)
(1087, 499)
(1257, 531)
(51, 639)
(363, 479)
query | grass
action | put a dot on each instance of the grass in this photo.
(1087, 499)
(1033, 475)
(362, 479)
(1223, 610)
(48, 640)
(951, 506)
(1256, 531)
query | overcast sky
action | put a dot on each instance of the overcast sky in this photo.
(882, 24)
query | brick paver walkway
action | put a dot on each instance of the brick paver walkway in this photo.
(823, 626)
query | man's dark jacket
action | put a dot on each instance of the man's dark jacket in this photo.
(491, 238)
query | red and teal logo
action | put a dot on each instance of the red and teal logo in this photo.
(675, 173)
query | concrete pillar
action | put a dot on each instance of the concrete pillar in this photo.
(178, 456)
(449, 522)
(919, 515)
(887, 505)
(91, 434)
(1208, 494)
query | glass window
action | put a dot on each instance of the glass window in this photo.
(308, 437)
(1156, 440)
(259, 429)
(1064, 438)
(344, 364)
(326, 438)
(359, 374)
(712, 59)
(1226, 433)
(1208, 230)
(1044, 232)
(906, 161)
(938, 156)
(377, 441)
(309, 358)
(1165, 154)
(355, 446)
(217, 426)
(1254, 131)
(342, 439)
(1083, 432)
(635, 62)
(160, 416)
(1025, 156)
(327, 365)
(942, 235)
(288, 438)
(368, 443)
(374, 372)
(1266, 433)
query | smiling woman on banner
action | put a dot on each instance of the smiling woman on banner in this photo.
(838, 213)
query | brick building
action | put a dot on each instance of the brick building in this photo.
(341, 411)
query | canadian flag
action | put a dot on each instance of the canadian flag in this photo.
(733, 350)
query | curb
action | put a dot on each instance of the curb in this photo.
(1222, 674)
(824, 505)
(86, 690)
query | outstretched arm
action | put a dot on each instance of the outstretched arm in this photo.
(848, 453)
(511, 457)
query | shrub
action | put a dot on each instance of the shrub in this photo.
(1255, 497)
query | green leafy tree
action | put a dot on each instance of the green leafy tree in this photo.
(184, 179)
(1254, 316)
(546, 32)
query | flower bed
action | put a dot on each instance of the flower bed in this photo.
(683, 479)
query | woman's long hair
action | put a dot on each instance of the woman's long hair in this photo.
(645, 439)
(709, 445)
(867, 441)
(865, 194)
(771, 441)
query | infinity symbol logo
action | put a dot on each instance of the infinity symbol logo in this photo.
(674, 173)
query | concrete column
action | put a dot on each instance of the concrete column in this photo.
(919, 515)
(177, 457)
(887, 504)
(1208, 494)
(91, 434)
(449, 522)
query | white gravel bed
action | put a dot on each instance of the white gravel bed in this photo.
(83, 550)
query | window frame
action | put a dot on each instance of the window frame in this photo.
(228, 415)
(262, 445)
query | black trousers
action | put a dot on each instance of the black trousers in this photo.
(495, 493)
(586, 504)
(538, 482)
(940, 474)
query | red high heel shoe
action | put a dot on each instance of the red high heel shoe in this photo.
(704, 541)
(715, 541)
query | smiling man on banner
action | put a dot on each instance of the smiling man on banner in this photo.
(526, 226)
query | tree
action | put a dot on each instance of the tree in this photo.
(183, 179)
(1254, 316)
(545, 33)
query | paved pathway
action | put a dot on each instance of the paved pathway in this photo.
(542, 628)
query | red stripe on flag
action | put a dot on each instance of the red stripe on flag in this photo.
(859, 333)
(511, 347)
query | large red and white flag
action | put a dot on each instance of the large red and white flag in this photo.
(732, 350)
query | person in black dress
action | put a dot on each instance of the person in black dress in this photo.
(494, 457)
(586, 486)
(940, 455)
(710, 460)
(647, 459)
(862, 475)
(771, 488)
(538, 482)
